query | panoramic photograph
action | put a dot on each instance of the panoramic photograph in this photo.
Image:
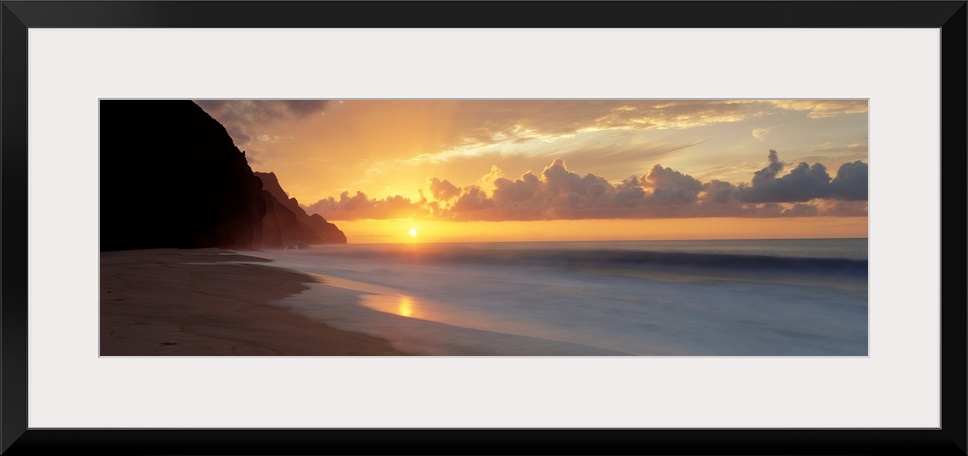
(483, 227)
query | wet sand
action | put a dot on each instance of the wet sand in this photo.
(170, 302)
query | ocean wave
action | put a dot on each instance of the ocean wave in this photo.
(622, 260)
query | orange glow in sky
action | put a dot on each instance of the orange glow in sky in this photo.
(421, 171)
(394, 231)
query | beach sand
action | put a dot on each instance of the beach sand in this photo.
(171, 302)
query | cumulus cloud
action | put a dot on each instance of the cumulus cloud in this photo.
(806, 182)
(803, 183)
(560, 182)
(486, 182)
(851, 182)
(671, 187)
(360, 206)
(443, 190)
(560, 193)
(718, 192)
(769, 173)
(473, 199)
(507, 191)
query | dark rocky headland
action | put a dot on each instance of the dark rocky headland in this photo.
(171, 176)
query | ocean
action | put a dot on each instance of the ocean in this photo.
(802, 297)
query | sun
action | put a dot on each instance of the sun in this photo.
(413, 232)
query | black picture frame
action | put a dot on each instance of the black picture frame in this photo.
(17, 16)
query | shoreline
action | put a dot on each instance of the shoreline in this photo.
(202, 302)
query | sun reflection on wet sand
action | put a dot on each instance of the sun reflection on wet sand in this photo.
(404, 306)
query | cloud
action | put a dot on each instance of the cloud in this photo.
(859, 148)
(486, 182)
(629, 193)
(273, 138)
(303, 108)
(837, 208)
(806, 182)
(443, 190)
(560, 193)
(769, 173)
(718, 192)
(817, 109)
(508, 192)
(761, 133)
(803, 183)
(802, 210)
(473, 199)
(559, 180)
(851, 182)
(671, 187)
(360, 206)
(261, 111)
(478, 125)
(245, 119)
(488, 122)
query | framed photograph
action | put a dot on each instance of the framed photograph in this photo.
(511, 188)
(484, 227)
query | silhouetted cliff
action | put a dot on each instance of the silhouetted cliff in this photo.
(170, 176)
(291, 218)
(326, 230)
(280, 228)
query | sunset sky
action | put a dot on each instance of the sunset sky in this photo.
(503, 170)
